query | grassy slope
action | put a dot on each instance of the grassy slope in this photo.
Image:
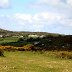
(33, 62)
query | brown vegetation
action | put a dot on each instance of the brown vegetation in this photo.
(27, 47)
(64, 54)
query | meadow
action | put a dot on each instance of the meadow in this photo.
(31, 61)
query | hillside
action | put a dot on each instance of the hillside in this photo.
(16, 33)
(5, 32)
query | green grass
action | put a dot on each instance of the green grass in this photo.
(12, 41)
(28, 61)
(8, 39)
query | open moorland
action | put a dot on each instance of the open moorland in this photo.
(35, 52)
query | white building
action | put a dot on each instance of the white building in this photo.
(42, 36)
(1, 35)
(33, 36)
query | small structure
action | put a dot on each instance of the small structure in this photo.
(33, 36)
(1, 36)
(42, 36)
(21, 36)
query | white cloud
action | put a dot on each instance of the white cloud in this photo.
(47, 17)
(4, 3)
(51, 2)
(54, 2)
(44, 17)
(66, 22)
(69, 2)
(38, 21)
(23, 17)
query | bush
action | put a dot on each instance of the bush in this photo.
(28, 47)
(20, 39)
(1, 53)
(20, 49)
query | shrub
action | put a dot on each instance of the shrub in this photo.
(1, 53)
(20, 49)
(20, 39)
(28, 47)
(8, 48)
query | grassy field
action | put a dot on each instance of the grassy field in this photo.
(29, 61)
(8, 40)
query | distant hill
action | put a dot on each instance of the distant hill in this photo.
(5, 32)
(16, 33)
(2, 30)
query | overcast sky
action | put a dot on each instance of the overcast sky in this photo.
(53, 16)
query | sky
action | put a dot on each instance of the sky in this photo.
(53, 16)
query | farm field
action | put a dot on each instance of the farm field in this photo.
(31, 61)
(8, 40)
